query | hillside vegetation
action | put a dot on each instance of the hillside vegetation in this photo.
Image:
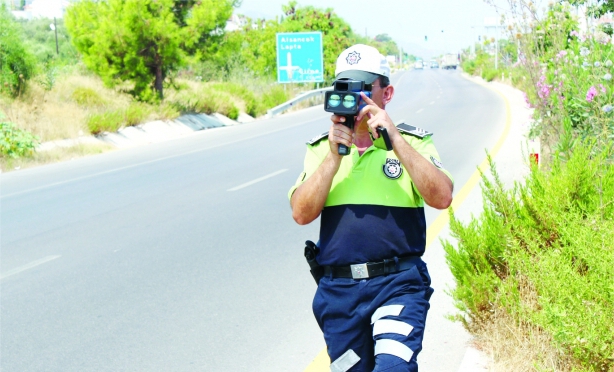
(122, 63)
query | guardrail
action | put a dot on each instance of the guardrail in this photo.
(301, 97)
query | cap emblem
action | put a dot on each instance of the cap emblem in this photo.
(353, 58)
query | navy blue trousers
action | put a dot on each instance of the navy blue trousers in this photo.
(379, 320)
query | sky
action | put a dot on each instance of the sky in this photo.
(450, 25)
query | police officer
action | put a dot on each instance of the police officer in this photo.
(373, 298)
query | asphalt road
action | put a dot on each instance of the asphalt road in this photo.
(182, 255)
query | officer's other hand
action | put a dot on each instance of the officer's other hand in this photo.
(339, 134)
(378, 117)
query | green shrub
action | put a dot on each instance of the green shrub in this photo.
(469, 66)
(274, 96)
(233, 112)
(17, 64)
(87, 97)
(15, 142)
(167, 111)
(137, 113)
(106, 122)
(489, 74)
(247, 96)
(543, 252)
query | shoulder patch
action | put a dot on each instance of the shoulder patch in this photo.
(317, 139)
(414, 131)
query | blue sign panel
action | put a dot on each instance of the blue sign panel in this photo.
(299, 57)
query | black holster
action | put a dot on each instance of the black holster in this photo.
(311, 251)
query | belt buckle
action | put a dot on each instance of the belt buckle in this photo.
(359, 271)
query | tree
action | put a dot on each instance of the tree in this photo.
(17, 64)
(255, 47)
(142, 41)
(596, 8)
(383, 38)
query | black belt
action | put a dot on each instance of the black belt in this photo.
(371, 269)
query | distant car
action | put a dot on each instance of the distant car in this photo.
(418, 65)
(434, 64)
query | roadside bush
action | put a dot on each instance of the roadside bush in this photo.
(247, 97)
(137, 113)
(489, 74)
(274, 96)
(167, 111)
(543, 253)
(205, 99)
(14, 142)
(483, 64)
(469, 66)
(110, 121)
(87, 97)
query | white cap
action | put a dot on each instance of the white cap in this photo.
(362, 62)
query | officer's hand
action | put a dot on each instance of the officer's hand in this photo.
(378, 117)
(339, 134)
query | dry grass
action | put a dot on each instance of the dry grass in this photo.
(54, 114)
(54, 156)
(517, 345)
(514, 347)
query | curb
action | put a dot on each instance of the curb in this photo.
(150, 132)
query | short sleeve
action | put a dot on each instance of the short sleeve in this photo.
(313, 158)
(426, 148)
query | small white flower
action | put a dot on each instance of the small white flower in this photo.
(585, 64)
(597, 64)
(607, 76)
(607, 108)
(584, 51)
(608, 63)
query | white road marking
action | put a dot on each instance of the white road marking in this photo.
(29, 266)
(419, 111)
(258, 180)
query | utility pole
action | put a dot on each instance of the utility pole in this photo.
(55, 28)
(491, 23)
(496, 50)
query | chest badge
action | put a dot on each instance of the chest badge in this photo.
(393, 169)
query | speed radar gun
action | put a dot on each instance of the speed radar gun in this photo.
(344, 100)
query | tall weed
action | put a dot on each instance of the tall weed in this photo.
(110, 121)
